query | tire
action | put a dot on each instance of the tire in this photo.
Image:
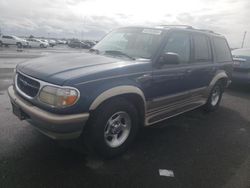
(41, 46)
(108, 137)
(215, 96)
(19, 45)
(1, 44)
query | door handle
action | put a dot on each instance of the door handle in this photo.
(188, 71)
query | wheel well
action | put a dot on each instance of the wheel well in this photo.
(223, 81)
(136, 100)
(138, 103)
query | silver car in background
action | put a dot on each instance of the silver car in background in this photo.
(241, 66)
(36, 43)
(6, 40)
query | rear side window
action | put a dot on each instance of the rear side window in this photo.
(222, 51)
(202, 50)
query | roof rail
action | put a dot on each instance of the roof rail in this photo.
(189, 27)
(206, 30)
(209, 31)
(182, 26)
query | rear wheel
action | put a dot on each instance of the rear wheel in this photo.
(113, 127)
(214, 99)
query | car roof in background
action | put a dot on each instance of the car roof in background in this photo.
(241, 51)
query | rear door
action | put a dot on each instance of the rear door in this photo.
(202, 68)
(222, 55)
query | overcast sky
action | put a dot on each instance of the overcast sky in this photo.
(94, 18)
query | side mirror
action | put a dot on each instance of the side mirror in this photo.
(170, 58)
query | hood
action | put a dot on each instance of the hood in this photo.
(57, 69)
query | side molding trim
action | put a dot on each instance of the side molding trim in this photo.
(119, 90)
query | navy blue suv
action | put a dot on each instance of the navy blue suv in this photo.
(134, 77)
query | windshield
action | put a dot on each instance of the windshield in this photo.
(132, 42)
(241, 52)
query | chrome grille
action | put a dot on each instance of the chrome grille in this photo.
(27, 85)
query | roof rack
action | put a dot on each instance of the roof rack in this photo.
(182, 26)
(188, 27)
(206, 30)
(209, 31)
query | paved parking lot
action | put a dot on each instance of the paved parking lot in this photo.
(203, 150)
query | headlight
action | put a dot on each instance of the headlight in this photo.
(59, 97)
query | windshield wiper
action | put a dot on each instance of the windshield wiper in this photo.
(117, 52)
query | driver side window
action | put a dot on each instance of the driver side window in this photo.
(179, 43)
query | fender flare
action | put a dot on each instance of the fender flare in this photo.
(218, 76)
(116, 91)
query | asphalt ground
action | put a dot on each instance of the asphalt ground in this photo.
(203, 150)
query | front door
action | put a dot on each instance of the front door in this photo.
(169, 80)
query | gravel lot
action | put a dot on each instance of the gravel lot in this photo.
(203, 150)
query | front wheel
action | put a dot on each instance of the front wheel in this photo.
(214, 99)
(41, 46)
(114, 127)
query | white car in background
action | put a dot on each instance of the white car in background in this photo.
(12, 40)
(36, 43)
(52, 42)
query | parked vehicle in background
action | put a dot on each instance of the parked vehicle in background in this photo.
(44, 40)
(61, 42)
(134, 77)
(7, 40)
(241, 66)
(90, 42)
(78, 44)
(52, 43)
(36, 43)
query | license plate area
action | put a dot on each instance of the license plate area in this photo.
(18, 112)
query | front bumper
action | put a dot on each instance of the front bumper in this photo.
(56, 126)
